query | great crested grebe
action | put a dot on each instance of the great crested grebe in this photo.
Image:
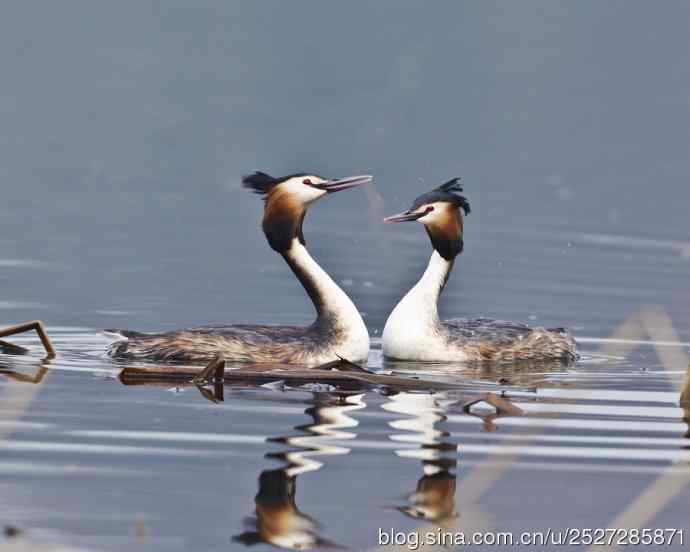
(338, 329)
(413, 330)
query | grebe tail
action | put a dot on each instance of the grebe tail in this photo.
(338, 328)
(413, 330)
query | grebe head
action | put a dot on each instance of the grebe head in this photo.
(441, 213)
(287, 199)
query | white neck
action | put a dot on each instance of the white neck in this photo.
(333, 306)
(422, 299)
(414, 321)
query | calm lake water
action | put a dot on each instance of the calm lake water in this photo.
(125, 131)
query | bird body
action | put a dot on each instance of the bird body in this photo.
(338, 330)
(414, 331)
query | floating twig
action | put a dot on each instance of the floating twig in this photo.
(208, 394)
(215, 370)
(502, 406)
(12, 349)
(345, 365)
(257, 374)
(25, 378)
(36, 325)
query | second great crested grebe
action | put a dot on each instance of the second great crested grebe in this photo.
(413, 330)
(338, 329)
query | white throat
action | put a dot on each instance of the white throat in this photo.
(413, 326)
(333, 306)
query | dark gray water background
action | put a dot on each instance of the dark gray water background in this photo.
(124, 131)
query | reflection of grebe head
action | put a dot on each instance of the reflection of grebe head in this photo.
(441, 212)
(278, 521)
(287, 199)
(434, 499)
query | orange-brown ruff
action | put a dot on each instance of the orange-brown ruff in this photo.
(338, 329)
(413, 330)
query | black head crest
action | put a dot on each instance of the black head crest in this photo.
(448, 193)
(262, 183)
(453, 185)
(259, 182)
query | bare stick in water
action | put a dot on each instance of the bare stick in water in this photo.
(36, 325)
(12, 348)
(502, 406)
(215, 370)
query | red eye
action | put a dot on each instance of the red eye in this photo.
(429, 209)
(307, 182)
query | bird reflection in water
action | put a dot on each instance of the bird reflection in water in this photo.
(278, 520)
(434, 496)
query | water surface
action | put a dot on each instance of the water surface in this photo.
(101, 465)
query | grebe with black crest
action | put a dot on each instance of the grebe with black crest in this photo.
(413, 330)
(338, 330)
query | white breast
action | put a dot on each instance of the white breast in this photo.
(413, 330)
(354, 337)
(409, 333)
